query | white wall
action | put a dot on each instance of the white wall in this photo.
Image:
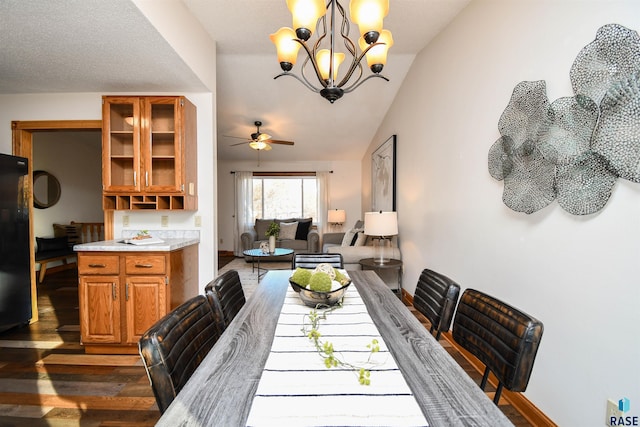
(344, 190)
(88, 106)
(579, 275)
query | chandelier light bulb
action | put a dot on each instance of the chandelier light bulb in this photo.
(305, 14)
(377, 55)
(286, 47)
(368, 15)
(323, 59)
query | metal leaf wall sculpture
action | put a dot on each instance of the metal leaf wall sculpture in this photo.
(575, 148)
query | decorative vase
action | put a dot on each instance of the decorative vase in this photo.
(272, 244)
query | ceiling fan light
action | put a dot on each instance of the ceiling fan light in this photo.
(305, 15)
(286, 47)
(258, 145)
(368, 15)
(323, 58)
(377, 55)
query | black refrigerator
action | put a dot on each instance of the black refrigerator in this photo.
(15, 269)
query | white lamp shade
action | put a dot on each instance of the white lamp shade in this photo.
(381, 223)
(337, 216)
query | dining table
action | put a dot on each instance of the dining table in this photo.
(265, 370)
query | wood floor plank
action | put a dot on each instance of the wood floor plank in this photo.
(24, 411)
(42, 386)
(91, 359)
(127, 403)
(46, 345)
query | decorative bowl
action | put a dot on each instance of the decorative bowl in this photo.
(319, 299)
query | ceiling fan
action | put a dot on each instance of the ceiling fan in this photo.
(261, 141)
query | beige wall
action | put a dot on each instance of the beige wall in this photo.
(579, 275)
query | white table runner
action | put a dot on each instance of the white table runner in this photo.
(296, 389)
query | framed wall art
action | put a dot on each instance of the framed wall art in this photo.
(383, 177)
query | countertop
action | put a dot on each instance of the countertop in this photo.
(171, 241)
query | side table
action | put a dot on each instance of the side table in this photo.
(256, 254)
(390, 265)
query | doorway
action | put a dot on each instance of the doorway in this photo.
(22, 141)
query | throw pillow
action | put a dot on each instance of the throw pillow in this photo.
(261, 228)
(52, 244)
(288, 230)
(362, 238)
(350, 236)
(303, 228)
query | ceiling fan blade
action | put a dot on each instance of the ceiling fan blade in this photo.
(277, 141)
(236, 137)
(240, 143)
(263, 137)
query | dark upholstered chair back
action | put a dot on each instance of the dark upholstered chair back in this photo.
(312, 260)
(436, 297)
(173, 347)
(228, 288)
(505, 339)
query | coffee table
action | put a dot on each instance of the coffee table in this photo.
(257, 254)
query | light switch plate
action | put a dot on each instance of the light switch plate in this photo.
(164, 220)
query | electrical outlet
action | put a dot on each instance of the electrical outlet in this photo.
(125, 220)
(198, 221)
(612, 412)
(164, 220)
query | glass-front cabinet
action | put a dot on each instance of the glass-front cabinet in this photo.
(149, 153)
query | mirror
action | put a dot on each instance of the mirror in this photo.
(46, 190)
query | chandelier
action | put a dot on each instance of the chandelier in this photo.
(322, 55)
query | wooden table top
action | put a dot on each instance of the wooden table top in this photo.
(221, 390)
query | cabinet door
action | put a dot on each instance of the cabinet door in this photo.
(121, 122)
(99, 298)
(162, 145)
(146, 303)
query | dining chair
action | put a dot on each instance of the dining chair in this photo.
(502, 337)
(173, 347)
(312, 260)
(228, 288)
(435, 297)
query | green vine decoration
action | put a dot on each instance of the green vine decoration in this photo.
(325, 348)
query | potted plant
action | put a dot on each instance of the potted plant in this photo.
(272, 232)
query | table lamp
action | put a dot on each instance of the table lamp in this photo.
(383, 225)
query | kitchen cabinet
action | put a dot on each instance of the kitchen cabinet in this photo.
(149, 153)
(122, 294)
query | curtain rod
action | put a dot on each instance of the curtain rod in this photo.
(284, 173)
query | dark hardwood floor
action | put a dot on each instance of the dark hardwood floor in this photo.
(47, 380)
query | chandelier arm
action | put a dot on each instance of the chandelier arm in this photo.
(358, 83)
(310, 58)
(313, 89)
(355, 64)
(304, 75)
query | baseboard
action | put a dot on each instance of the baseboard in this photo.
(225, 253)
(519, 402)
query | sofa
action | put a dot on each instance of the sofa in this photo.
(301, 237)
(354, 245)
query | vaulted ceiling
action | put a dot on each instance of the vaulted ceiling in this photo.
(110, 46)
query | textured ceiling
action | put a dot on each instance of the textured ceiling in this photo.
(109, 46)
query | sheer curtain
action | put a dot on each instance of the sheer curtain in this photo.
(244, 207)
(323, 200)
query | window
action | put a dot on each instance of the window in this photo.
(285, 197)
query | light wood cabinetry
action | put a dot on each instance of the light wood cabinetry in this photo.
(122, 294)
(149, 153)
